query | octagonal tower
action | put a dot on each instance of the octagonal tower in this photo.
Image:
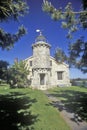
(41, 52)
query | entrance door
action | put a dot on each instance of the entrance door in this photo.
(42, 79)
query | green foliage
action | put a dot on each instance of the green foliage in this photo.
(60, 56)
(70, 19)
(3, 69)
(83, 16)
(7, 40)
(83, 19)
(17, 75)
(78, 54)
(84, 4)
(11, 9)
(83, 83)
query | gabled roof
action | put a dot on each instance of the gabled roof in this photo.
(28, 58)
(58, 62)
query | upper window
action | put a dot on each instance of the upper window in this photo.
(60, 75)
(50, 63)
(30, 63)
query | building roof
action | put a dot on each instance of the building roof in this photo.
(40, 38)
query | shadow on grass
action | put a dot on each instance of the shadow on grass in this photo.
(72, 101)
(15, 113)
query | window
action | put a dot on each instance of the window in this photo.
(60, 75)
(30, 63)
(32, 72)
(50, 63)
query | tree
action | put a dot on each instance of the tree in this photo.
(84, 4)
(11, 9)
(83, 16)
(17, 75)
(3, 69)
(72, 21)
(60, 56)
(7, 40)
(78, 54)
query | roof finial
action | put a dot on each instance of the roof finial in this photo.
(40, 38)
(38, 30)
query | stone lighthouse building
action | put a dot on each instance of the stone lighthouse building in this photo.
(45, 71)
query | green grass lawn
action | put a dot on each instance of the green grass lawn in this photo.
(27, 109)
(73, 98)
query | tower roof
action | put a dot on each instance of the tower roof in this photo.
(40, 37)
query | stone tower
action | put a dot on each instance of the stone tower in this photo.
(41, 52)
(41, 63)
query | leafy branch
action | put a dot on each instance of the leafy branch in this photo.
(12, 9)
(70, 18)
(7, 40)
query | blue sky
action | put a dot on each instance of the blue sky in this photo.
(37, 19)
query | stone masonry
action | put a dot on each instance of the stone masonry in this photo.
(45, 71)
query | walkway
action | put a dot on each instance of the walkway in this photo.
(72, 119)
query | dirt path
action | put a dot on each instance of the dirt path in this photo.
(73, 120)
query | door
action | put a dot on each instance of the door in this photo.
(42, 79)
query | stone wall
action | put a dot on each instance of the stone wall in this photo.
(57, 67)
(41, 55)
